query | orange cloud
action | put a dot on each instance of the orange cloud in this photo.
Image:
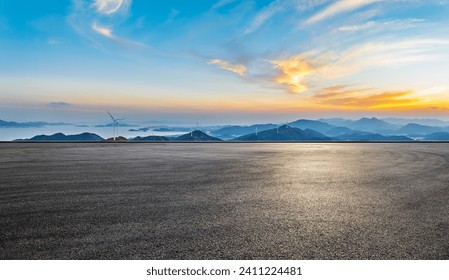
(345, 97)
(294, 72)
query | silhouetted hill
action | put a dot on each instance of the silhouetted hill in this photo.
(372, 137)
(117, 139)
(284, 133)
(417, 129)
(234, 131)
(437, 136)
(86, 136)
(152, 138)
(197, 136)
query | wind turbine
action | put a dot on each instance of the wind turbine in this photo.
(115, 124)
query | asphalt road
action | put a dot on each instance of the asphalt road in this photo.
(224, 201)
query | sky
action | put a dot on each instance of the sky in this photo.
(223, 61)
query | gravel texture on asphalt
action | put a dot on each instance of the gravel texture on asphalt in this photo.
(224, 201)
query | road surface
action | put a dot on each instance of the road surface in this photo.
(224, 201)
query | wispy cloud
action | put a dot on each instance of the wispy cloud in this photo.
(108, 33)
(109, 7)
(236, 68)
(265, 14)
(88, 19)
(346, 97)
(339, 7)
(383, 25)
(222, 3)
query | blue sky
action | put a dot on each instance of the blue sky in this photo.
(223, 60)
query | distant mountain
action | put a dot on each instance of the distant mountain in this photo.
(336, 121)
(143, 129)
(417, 129)
(86, 136)
(197, 136)
(29, 124)
(234, 131)
(437, 136)
(150, 139)
(428, 122)
(339, 130)
(171, 129)
(373, 125)
(284, 133)
(322, 127)
(371, 137)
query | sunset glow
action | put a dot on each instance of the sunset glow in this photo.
(184, 59)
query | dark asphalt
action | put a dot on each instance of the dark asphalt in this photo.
(224, 201)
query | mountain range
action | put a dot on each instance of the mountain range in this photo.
(364, 129)
(284, 133)
(334, 129)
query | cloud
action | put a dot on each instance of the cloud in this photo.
(109, 7)
(307, 70)
(108, 33)
(265, 14)
(295, 70)
(368, 98)
(88, 19)
(222, 3)
(236, 68)
(337, 8)
(383, 25)
(59, 104)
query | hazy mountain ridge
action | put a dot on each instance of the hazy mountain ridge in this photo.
(414, 129)
(284, 133)
(232, 131)
(372, 137)
(437, 136)
(29, 124)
